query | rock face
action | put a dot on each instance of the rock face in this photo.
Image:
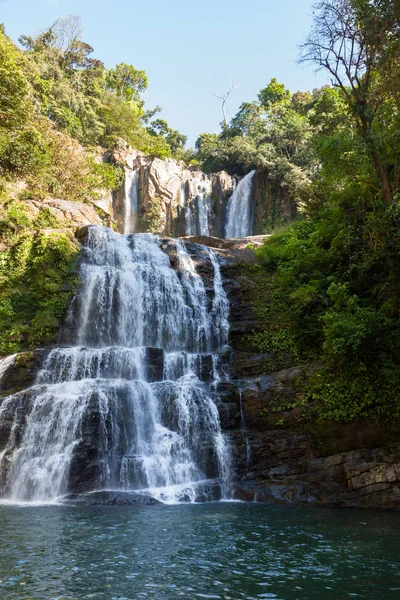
(176, 200)
(172, 198)
(280, 454)
(286, 467)
(273, 203)
(168, 198)
(105, 204)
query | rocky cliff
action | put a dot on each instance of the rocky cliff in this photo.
(168, 197)
(273, 204)
(173, 199)
(283, 453)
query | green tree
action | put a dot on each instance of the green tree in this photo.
(352, 40)
(274, 93)
(174, 139)
(23, 149)
(126, 81)
(16, 106)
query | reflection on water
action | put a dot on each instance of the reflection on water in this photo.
(219, 550)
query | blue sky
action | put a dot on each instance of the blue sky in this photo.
(189, 50)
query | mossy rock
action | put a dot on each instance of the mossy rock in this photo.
(22, 372)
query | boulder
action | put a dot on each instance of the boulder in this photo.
(110, 498)
(69, 214)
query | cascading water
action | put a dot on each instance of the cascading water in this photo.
(198, 205)
(131, 200)
(240, 213)
(184, 200)
(204, 188)
(203, 206)
(5, 364)
(131, 405)
(190, 229)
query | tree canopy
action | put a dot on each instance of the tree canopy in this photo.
(54, 88)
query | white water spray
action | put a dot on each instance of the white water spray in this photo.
(135, 396)
(131, 198)
(240, 212)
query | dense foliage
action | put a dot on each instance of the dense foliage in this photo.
(36, 278)
(55, 98)
(332, 280)
(274, 133)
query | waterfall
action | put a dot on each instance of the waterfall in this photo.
(131, 198)
(130, 404)
(204, 188)
(189, 221)
(182, 195)
(240, 213)
(6, 364)
(198, 205)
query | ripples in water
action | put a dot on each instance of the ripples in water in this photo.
(219, 550)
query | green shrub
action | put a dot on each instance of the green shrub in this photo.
(36, 284)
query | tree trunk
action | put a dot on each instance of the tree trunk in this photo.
(382, 176)
(379, 168)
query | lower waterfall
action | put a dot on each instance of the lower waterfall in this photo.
(130, 403)
(240, 211)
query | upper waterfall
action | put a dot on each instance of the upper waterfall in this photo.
(240, 213)
(168, 197)
(131, 200)
(131, 403)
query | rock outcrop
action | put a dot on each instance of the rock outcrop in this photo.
(274, 205)
(107, 498)
(19, 370)
(173, 199)
(69, 214)
(287, 467)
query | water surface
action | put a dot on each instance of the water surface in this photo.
(217, 550)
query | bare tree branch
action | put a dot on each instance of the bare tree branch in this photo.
(224, 99)
(66, 31)
(339, 43)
